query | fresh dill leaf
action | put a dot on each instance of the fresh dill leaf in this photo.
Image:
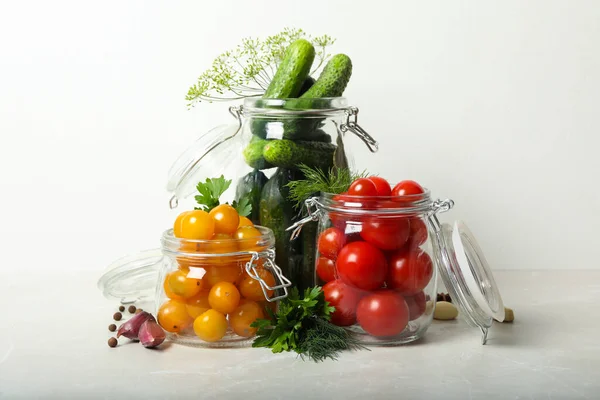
(247, 70)
(335, 180)
(324, 340)
(210, 191)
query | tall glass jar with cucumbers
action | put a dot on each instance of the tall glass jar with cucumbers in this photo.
(298, 123)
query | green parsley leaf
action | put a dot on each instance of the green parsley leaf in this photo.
(243, 206)
(210, 191)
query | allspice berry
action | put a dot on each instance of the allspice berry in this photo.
(131, 309)
(112, 342)
(112, 327)
(117, 316)
(121, 308)
(139, 310)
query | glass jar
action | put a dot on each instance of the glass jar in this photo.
(207, 292)
(378, 260)
(261, 154)
(264, 151)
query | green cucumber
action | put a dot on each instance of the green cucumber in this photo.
(292, 72)
(331, 83)
(251, 185)
(333, 79)
(291, 80)
(253, 153)
(307, 84)
(277, 212)
(308, 235)
(289, 154)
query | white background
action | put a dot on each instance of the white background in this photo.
(493, 104)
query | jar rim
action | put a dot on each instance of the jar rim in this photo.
(295, 106)
(177, 246)
(377, 205)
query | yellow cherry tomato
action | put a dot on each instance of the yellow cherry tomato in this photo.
(251, 289)
(220, 243)
(245, 221)
(195, 225)
(248, 237)
(189, 248)
(169, 293)
(210, 326)
(226, 219)
(183, 286)
(221, 273)
(173, 316)
(224, 297)
(198, 304)
(243, 316)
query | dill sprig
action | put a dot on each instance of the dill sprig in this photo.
(247, 70)
(322, 340)
(335, 180)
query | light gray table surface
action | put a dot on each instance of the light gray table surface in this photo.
(54, 331)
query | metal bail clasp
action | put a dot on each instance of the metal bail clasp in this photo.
(269, 263)
(352, 126)
(313, 215)
(439, 206)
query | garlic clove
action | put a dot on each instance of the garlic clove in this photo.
(151, 334)
(131, 327)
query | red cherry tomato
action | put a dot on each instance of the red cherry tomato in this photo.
(362, 187)
(330, 242)
(361, 265)
(382, 186)
(409, 271)
(418, 232)
(342, 198)
(383, 313)
(407, 188)
(344, 299)
(416, 305)
(325, 269)
(386, 233)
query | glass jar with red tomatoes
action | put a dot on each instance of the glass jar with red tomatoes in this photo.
(379, 250)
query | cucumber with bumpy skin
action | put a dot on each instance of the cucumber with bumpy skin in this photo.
(307, 84)
(292, 72)
(289, 154)
(253, 153)
(251, 185)
(333, 79)
(309, 249)
(277, 212)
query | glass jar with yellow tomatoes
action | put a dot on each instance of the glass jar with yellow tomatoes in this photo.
(214, 275)
(218, 276)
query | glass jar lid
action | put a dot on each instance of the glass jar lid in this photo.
(215, 153)
(132, 278)
(467, 276)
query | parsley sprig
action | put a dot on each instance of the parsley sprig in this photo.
(302, 325)
(211, 191)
